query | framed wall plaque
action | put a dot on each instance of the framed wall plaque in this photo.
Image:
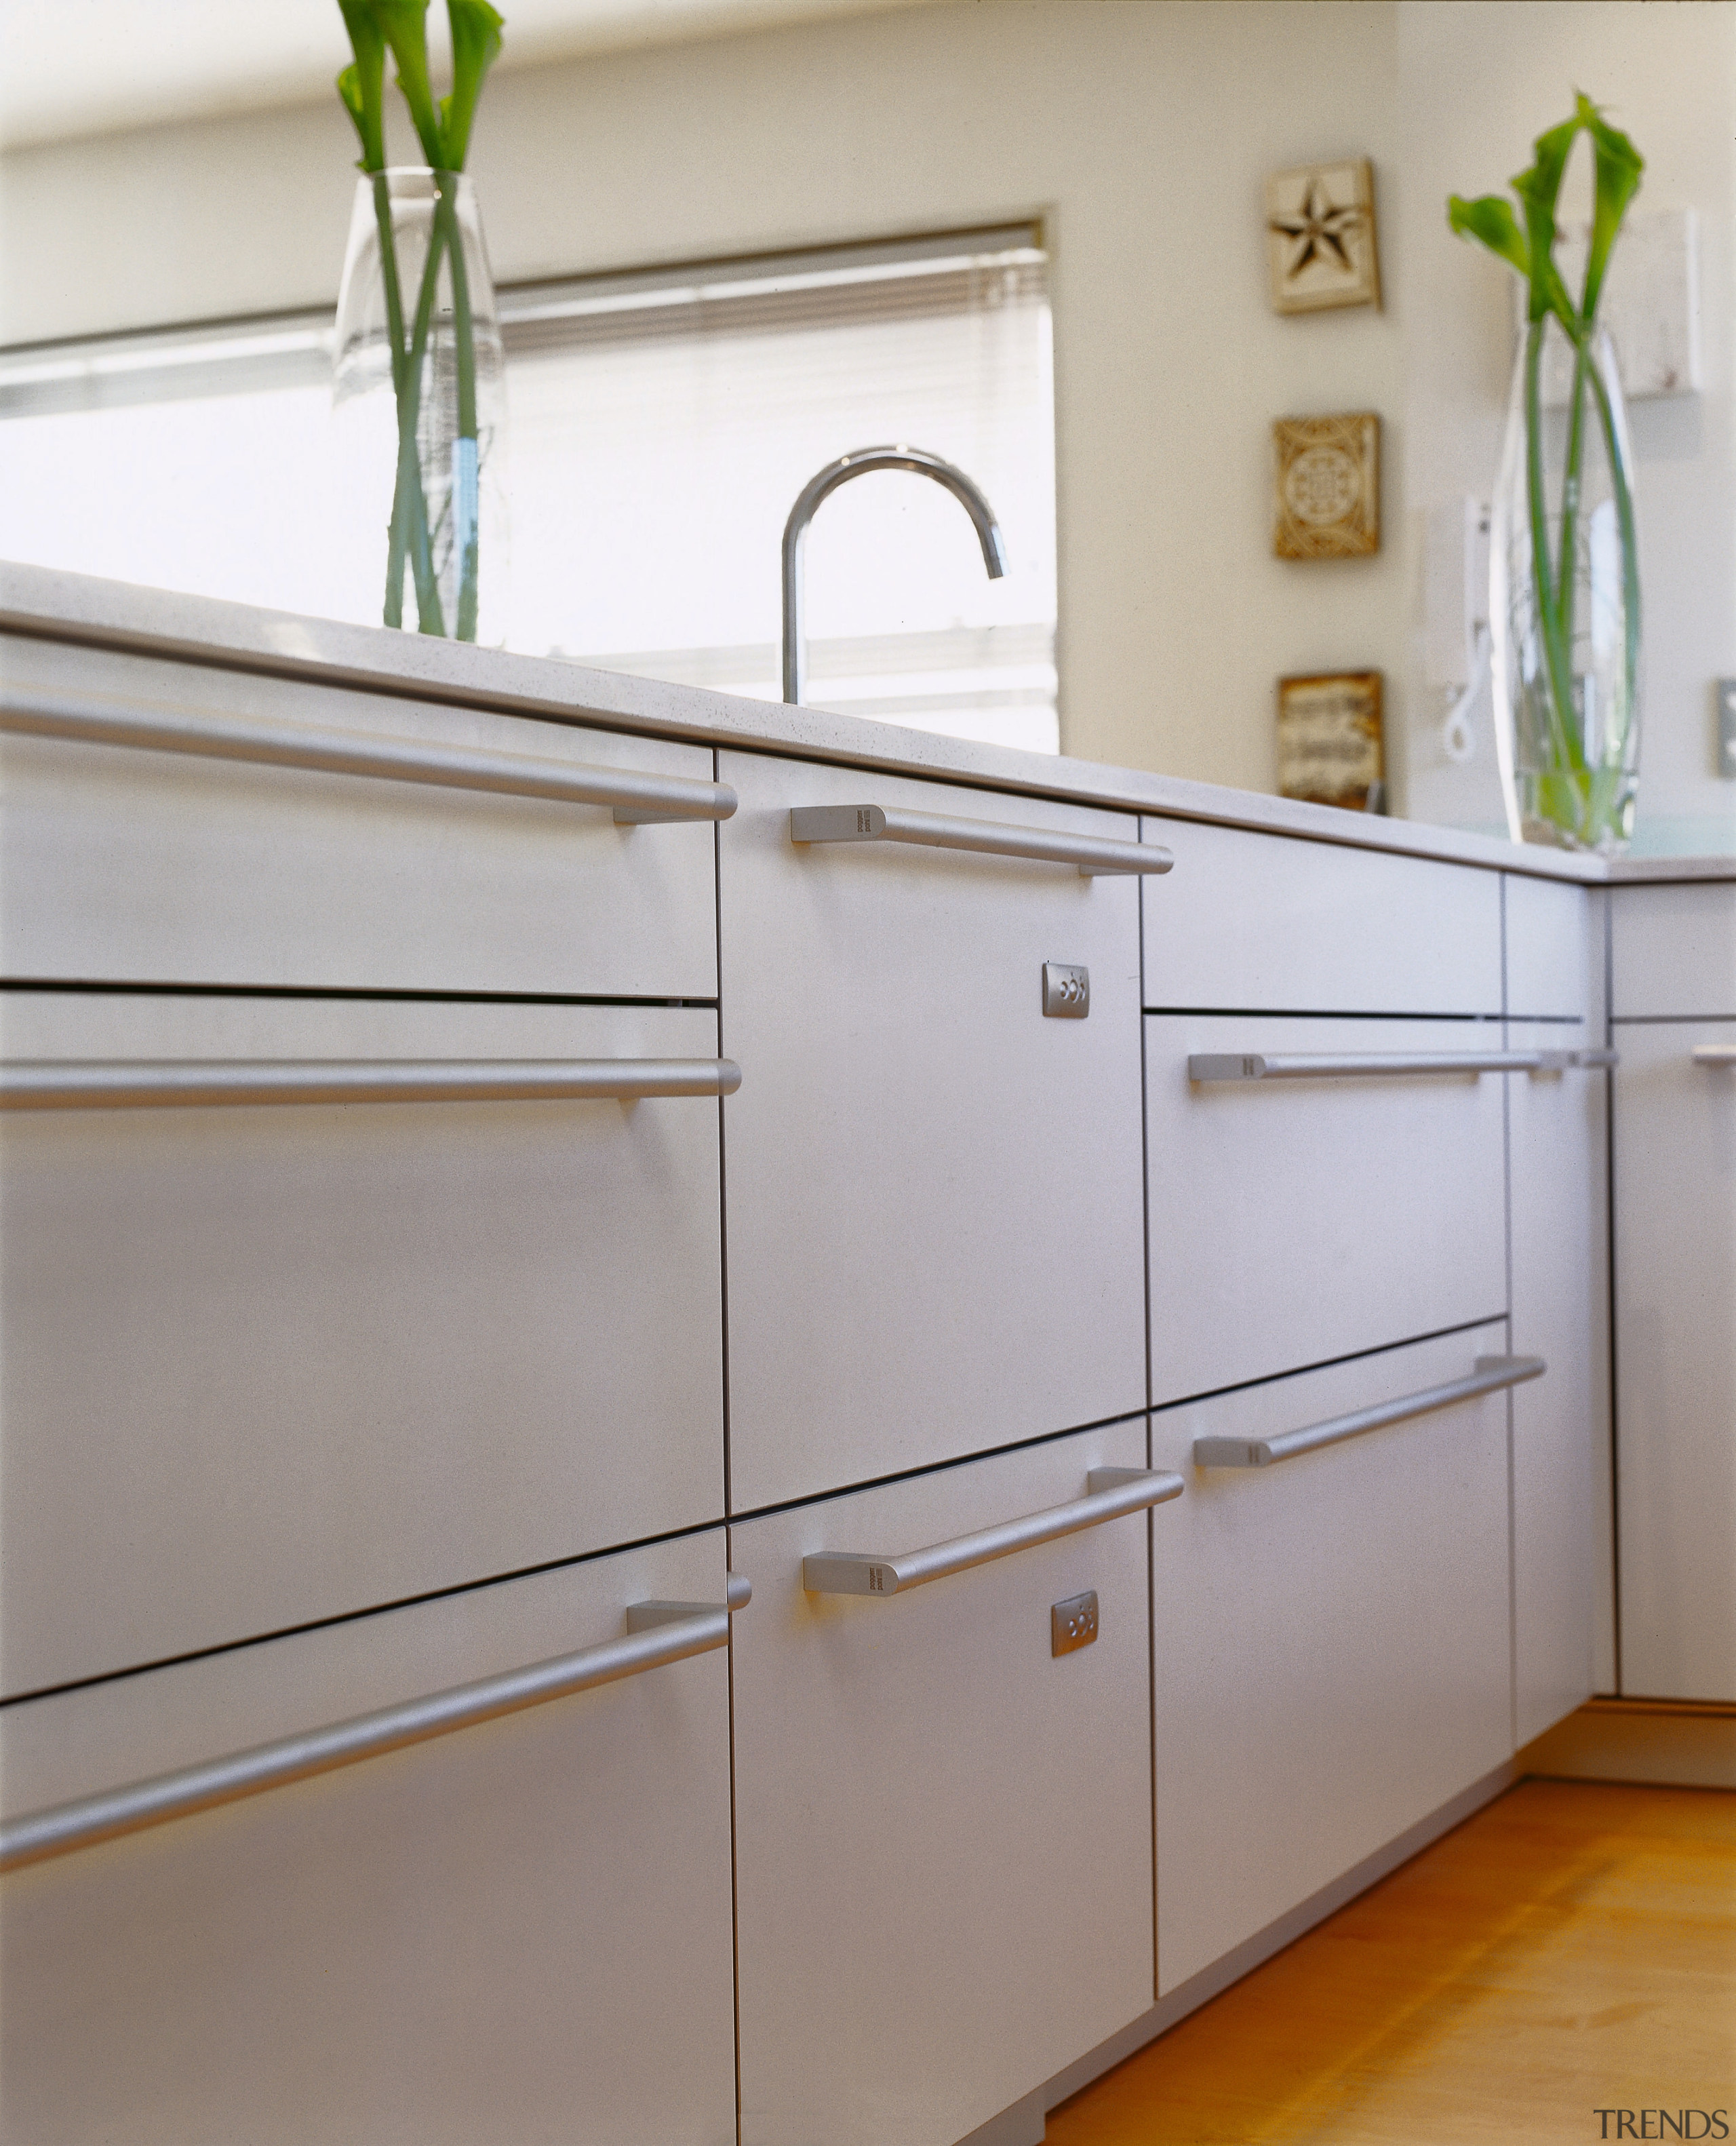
(1326, 486)
(1320, 236)
(1330, 750)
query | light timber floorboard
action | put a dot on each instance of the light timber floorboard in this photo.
(1571, 1947)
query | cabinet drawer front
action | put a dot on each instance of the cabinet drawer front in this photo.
(1554, 938)
(1675, 1356)
(123, 865)
(1672, 951)
(517, 1932)
(1296, 1220)
(943, 1826)
(1265, 920)
(1564, 1600)
(936, 1234)
(269, 1364)
(1330, 1639)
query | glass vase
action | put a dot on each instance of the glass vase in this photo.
(419, 397)
(1565, 598)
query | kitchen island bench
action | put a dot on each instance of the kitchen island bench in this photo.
(722, 1424)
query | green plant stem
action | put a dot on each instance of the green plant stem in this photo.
(1629, 537)
(464, 335)
(1548, 618)
(394, 607)
(1570, 479)
(410, 511)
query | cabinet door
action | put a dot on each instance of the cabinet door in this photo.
(1672, 951)
(1292, 926)
(943, 1828)
(1675, 1298)
(1297, 1221)
(119, 864)
(1562, 1605)
(935, 1229)
(515, 1934)
(1554, 949)
(267, 1365)
(1330, 1639)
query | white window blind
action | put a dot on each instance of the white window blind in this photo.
(660, 425)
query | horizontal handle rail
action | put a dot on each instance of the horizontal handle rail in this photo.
(650, 1643)
(1112, 1492)
(1491, 1375)
(1095, 855)
(635, 797)
(1338, 1065)
(122, 1085)
(1714, 1054)
(1563, 1061)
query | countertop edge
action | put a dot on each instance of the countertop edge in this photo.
(44, 603)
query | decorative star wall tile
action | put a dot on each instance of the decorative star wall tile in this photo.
(1320, 236)
(1326, 486)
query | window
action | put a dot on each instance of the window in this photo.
(660, 425)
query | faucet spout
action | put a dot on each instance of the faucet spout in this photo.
(818, 487)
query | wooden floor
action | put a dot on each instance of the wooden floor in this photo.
(1572, 1947)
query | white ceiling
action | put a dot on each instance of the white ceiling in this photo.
(70, 67)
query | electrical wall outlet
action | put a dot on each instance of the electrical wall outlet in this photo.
(1726, 728)
(1073, 1624)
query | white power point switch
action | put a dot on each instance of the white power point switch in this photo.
(1455, 592)
(1726, 728)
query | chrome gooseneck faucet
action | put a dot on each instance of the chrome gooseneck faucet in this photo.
(988, 531)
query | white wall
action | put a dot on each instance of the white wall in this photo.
(1141, 132)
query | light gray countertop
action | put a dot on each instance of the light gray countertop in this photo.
(45, 603)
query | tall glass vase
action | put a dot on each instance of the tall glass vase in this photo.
(1565, 598)
(419, 397)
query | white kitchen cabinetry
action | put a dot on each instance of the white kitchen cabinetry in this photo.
(1330, 1638)
(1295, 1220)
(434, 1389)
(270, 1364)
(1675, 1294)
(943, 1828)
(1557, 1133)
(1554, 946)
(1672, 951)
(1558, 1208)
(123, 863)
(1288, 927)
(934, 1225)
(515, 1934)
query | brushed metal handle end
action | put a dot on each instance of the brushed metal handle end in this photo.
(837, 823)
(848, 1572)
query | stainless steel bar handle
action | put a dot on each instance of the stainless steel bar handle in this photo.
(1714, 1054)
(1111, 1492)
(1096, 855)
(1491, 1375)
(650, 1643)
(635, 797)
(1210, 1066)
(122, 1085)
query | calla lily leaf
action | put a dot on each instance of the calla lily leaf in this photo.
(404, 25)
(1489, 219)
(1618, 167)
(362, 85)
(1539, 190)
(476, 30)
